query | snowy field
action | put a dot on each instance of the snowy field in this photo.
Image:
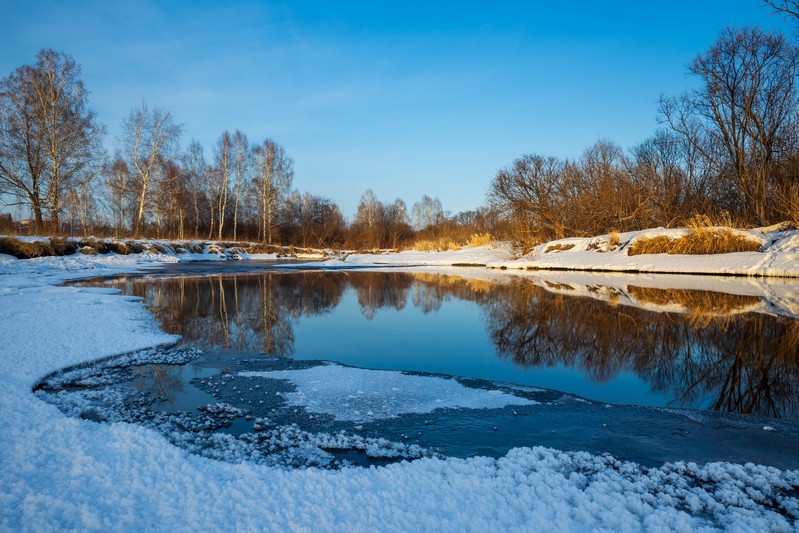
(58, 472)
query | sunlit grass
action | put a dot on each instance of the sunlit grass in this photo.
(698, 241)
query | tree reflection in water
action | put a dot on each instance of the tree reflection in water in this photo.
(158, 382)
(700, 347)
(745, 362)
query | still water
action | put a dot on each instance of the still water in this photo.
(299, 368)
(615, 339)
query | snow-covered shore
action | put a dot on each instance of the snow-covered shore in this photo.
(778, 256)
(60, 473)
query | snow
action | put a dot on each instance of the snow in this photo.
(779, 256)
(64, 473)
(357, 394)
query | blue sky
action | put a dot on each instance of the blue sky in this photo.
(407, 98)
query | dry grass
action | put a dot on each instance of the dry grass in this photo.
(117, 247)
(613, 239)
(88, 250)
(698, 241)
(479, 239)
(558, 248)
(134, 247)
(25, 250)
(605, 243)
(260, 248)
(438, 245)
(63, 246)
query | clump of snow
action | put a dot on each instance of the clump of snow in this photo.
(222, 410)
(358, 394)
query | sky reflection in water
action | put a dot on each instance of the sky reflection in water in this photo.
(614, 341)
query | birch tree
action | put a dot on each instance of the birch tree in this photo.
(194, 168)
(241, 163)
(149, 140)
(117, 178)
(274, 172)
(223, 163)
(48, 136)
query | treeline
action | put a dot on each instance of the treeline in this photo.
(52, 162)
(729, 152)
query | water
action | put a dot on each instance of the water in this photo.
(650, 369)
(612, 342)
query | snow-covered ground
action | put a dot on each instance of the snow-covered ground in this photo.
(58, 472)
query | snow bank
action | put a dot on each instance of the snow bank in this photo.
(61, 473)
(779, 255)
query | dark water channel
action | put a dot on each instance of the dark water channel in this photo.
(647, 369)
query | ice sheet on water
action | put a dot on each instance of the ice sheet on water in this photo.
(357, 394)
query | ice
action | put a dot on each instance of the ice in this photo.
(357, 394)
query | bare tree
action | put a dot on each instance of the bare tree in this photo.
(274, 172)
(223, 163)
(788, 8)
(368, 225)
(149, 139)
(396, 221)
(241, 164)
(530, 191)
(194, 168)
(742, 118)
(427, 212)
(117, 177)
(48, 136)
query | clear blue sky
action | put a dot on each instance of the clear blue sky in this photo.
(407, 98)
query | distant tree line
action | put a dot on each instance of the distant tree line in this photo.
(52, 163)
(729, 150)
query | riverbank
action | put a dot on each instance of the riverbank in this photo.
(762, 252)
(774, 252)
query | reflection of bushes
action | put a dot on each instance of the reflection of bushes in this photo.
(158, 381)
(749, 363)
(696, 302)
